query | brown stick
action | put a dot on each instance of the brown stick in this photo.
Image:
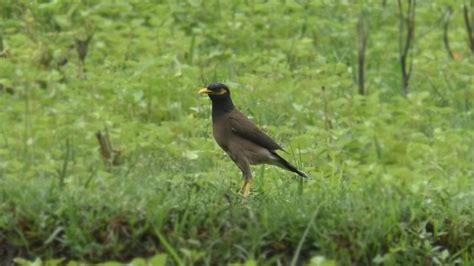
(469, 24)
(82, 48)
(109, 155)
(406, 43)
(447, 19)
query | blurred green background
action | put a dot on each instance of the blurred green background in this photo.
(392, 174)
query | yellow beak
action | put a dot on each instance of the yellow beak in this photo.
(204, 91)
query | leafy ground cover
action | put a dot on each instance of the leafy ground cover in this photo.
(391, 175)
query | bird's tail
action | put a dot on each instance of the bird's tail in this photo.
(279, 161)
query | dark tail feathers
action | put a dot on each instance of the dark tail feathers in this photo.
(286, 165)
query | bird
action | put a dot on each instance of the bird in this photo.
(240, 138)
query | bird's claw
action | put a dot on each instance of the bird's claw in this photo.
(245, 189)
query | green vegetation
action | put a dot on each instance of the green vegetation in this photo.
(392, 175)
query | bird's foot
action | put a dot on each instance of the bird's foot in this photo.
(245, 189)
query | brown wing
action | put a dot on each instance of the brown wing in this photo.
(243, 127)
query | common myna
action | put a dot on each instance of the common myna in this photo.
(240, 138)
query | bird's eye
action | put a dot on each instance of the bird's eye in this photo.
(221, 92)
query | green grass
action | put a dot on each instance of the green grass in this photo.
(392, 177)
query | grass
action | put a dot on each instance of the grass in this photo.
(391, 176)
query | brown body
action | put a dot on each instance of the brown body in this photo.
(244, 143)
(240, 148)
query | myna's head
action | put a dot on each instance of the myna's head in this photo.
(216, 91)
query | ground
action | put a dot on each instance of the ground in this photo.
(391, 175)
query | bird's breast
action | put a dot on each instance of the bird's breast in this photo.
(221, 136)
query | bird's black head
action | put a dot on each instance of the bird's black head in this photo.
(220, 97)
(216, 91)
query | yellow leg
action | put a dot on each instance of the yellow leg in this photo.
(242, 188)
(245, 189)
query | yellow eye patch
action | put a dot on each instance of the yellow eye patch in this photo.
(221, 92)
